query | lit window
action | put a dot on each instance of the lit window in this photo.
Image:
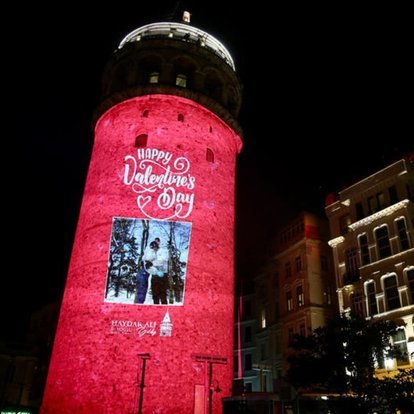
(363, 249)
(299, 296)
(391, 292)
(154, 77)
(402, 233)
(289, 303)
(383, 242)
(263, 319)
(181, 80)
(400, 342)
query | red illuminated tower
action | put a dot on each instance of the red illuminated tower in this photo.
(146, 323)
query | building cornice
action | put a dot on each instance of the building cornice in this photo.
(383, 213)
(337, 240)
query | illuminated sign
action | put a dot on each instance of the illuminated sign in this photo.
(151, 170)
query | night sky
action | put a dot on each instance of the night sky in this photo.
(327, 101)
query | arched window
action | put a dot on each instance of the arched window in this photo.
(141, 140)
(372, 308)
(401, 230)
(383, 241)
(392, 296)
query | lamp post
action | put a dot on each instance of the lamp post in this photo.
(208, 361)
(144, 357)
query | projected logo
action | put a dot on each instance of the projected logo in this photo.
(164, 185)
(147, 261)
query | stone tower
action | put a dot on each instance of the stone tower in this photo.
(155, 236)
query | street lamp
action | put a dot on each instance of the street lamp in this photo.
(144, 357)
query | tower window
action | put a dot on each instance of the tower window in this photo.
(209, 155)
(211, 129)
(154, 77)
(180, 117)
(181, 80)
(141, 140)
(145, 113)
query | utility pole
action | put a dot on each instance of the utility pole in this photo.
(144, 357)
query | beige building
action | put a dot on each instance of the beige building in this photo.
(293, 292)
(372, 238)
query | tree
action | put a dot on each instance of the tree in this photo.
(341, 357)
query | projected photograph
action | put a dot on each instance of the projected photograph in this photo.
(147, 262)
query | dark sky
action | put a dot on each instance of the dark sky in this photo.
(327, 100)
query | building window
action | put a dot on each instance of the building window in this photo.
(371, 298)
(290, 336)
(181, 80)
(298, 264)
(327, 295)
(400, 342)
(359, 210)
(289, 303)
(410, 282)
(376, 203)
(383, 242)
(209, 155)
(392, 192)
(141, 141)
(288, 270)
(180, 118)
(351, 264)
(299, 296)
(324, 263)
(363, 249)
(248, 387)
(302, 330)
(247, 309)
(154, 77)
(391, 292)
(357, 304)
(145, 114)
(247, 334)
(402, 233)
(263, 355)
(263, 319)
(344, 222)
(248, 362)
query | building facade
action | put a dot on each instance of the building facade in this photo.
(372, 238)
